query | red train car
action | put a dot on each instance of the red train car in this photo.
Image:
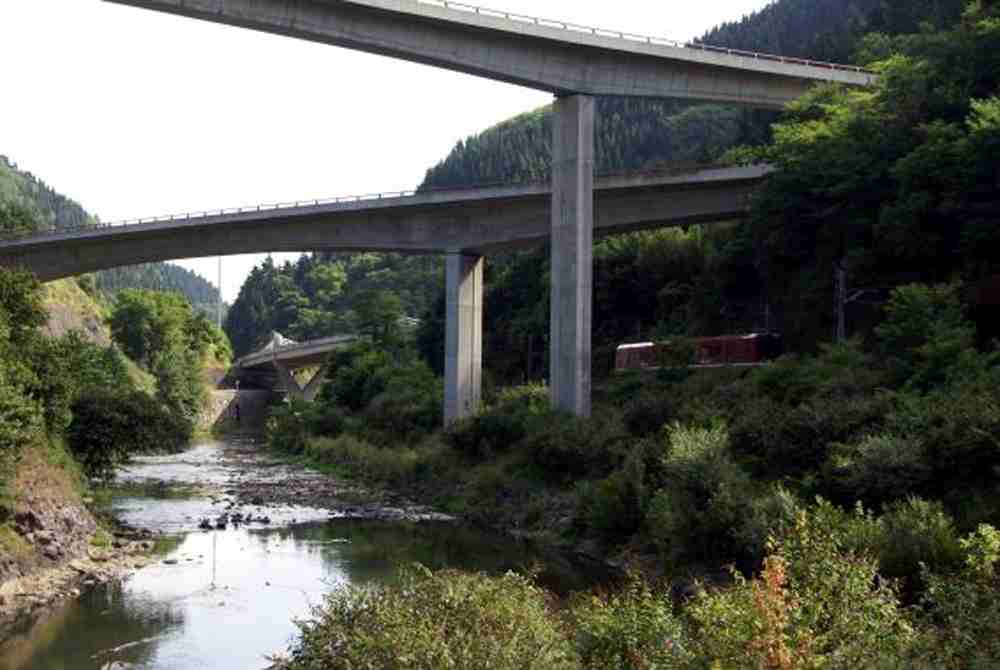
(751, 349)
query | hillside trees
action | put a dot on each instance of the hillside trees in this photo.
(898, 181)
(162, 333)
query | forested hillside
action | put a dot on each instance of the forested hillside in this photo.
(48, 209)
(829, 30)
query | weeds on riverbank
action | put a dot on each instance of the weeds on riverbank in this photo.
(817, 601)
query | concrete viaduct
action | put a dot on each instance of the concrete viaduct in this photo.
(285, 356)
(575, 63)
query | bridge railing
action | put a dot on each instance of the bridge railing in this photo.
(633, 37)
(671, 169)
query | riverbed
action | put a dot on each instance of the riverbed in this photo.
(254, 545)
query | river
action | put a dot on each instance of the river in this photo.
(225, 599)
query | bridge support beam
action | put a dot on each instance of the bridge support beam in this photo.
(295, 391)
(572, 253)
(463, 360)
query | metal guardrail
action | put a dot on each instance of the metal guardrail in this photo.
(633, 37)
(370, 197)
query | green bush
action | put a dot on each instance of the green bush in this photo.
(878, 469)
(650, 412)
(360, 374)
(767, 515)
(918, 533)
(567, 448)
(516, 412)
(840, 370)
(20, 425)
(615, 506)
(777, 440)
(322, 419)
(430, 621)
(287, 427)
(410, 407)
(958, 428)
(962, 610)
(109, 427)
(631, 629)
(703, 501)
(817, 603)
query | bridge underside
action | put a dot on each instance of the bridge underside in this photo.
(475, 222)
(534, 54)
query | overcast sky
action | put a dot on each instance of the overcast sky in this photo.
(136, 113)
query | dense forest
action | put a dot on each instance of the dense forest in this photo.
(47, 209)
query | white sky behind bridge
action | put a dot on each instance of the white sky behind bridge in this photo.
(137, 113)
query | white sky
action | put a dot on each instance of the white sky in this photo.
(136, 113)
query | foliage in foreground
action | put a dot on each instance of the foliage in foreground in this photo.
(818, 602)
(435, 620)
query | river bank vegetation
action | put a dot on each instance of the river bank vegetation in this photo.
(836, 508)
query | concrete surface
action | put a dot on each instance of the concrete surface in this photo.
(537, 55)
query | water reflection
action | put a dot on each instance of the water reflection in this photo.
(170, 616)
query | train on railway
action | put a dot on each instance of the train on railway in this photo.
(726, 350)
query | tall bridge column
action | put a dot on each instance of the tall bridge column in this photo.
(572, 253)
(463, 360)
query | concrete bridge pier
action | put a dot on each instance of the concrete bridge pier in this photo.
(572, 253)
(295, 391)
(463, 361)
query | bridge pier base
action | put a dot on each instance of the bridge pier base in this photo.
(463, 360)
(296, 392)
(572, 253)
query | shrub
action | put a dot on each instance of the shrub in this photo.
(287, 429)
(650, 412)
(962, 610)
(917, 532)
(411, 405)
(816, 604)
(360, 374)
(777, 440)
(615, 506)
(878, 469)
(20, 425)
(323, 419)
(515, 413)
(632, 629)
(109, 427)
(766, 516)
(925, 337)
(959, 428)
(431, 621)
(840, 370)
(702, 502)
(567, 447)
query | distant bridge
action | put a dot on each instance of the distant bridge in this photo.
(286, 356)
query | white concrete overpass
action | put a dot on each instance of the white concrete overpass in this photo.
(286, 356)
(555, 56)
(573, 62)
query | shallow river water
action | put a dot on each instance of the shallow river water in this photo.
(225, 599)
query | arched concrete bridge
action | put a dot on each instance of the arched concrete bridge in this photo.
(286, 356)
(573, 62)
